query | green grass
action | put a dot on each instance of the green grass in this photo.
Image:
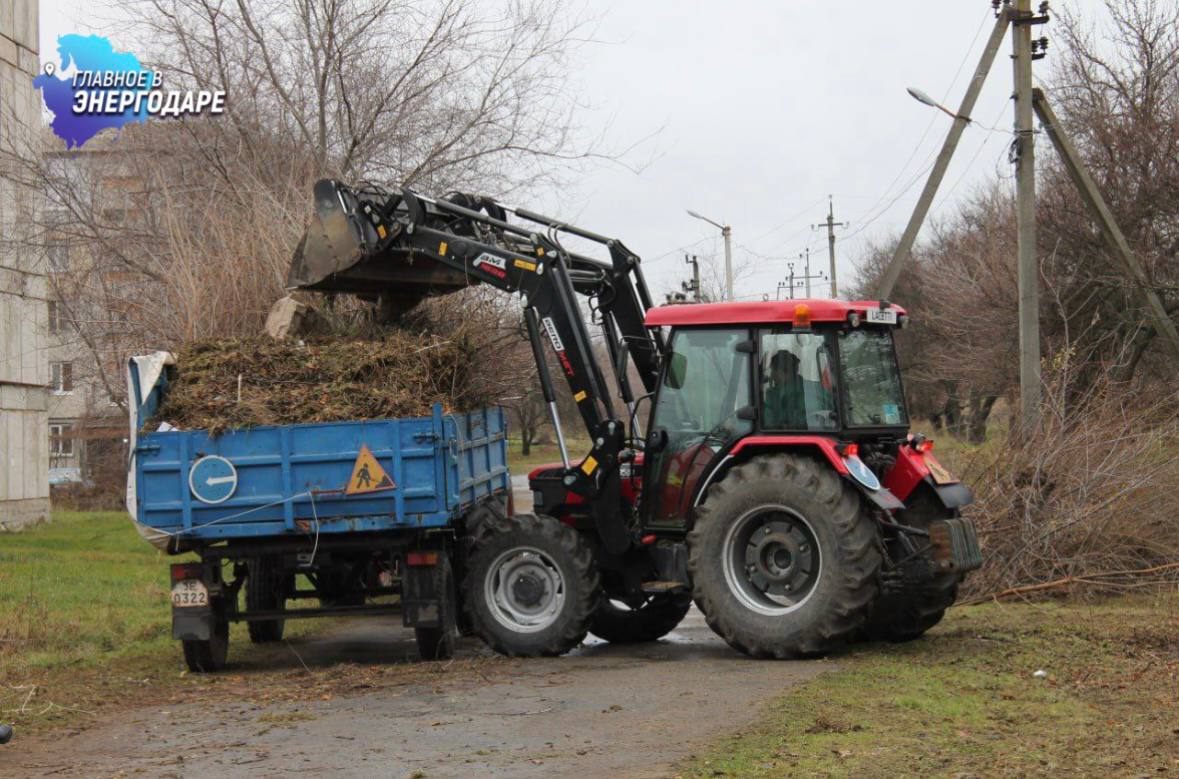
(542, 454)
(965, 701)
(80, 587)
(84, 606)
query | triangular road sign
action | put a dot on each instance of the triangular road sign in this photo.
(368, 475)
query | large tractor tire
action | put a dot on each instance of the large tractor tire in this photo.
(531, 585)
(439, 643)
(619, 623)
(265, 591)
(784, 558)
(209, 656)
(907, 615)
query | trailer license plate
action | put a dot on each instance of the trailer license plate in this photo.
(188, 593)
(882, 316)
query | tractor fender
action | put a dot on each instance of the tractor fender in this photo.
(881, 498)
(915, 468)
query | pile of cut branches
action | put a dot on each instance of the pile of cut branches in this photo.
(244, 382)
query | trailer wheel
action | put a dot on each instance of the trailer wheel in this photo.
(209, 656)
(439, 643)
(783, 558)
(265, 592)
(531, 585)
(619, 623)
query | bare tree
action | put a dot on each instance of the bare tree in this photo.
(187, 226)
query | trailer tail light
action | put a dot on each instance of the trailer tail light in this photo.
(182, 571)
(418, 559)
(802, 316)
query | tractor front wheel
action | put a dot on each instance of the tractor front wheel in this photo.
(531, 585)
(783, 558)
(618, 622)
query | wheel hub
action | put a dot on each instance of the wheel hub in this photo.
(771, 559)
(528, 589)
(524, 590)
(777, 559)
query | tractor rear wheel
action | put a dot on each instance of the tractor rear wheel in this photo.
(265, 592)
(531, 585)
(783, 558)
(619, 623)
(907, 615)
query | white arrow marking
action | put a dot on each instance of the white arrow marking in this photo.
(218, 480)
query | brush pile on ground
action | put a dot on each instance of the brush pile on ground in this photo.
(324, 378)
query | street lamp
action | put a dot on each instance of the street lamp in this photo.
(922, 97)
(727, 232)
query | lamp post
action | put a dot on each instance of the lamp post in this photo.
(727, 232)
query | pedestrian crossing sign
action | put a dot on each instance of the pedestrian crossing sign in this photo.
(368, 475)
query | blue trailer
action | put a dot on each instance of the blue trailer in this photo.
(363, 517)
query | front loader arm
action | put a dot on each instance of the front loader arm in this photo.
(377, 242)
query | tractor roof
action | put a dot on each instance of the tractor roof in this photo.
(761, 312)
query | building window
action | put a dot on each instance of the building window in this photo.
(58, 255)
(55, 317)
(61, 377)
(61, 439)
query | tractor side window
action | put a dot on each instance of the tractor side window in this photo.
(797, 383)
(706, 383)
(871, 379)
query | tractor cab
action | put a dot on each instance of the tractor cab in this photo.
(819, 375)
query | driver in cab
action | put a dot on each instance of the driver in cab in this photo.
(784, 396)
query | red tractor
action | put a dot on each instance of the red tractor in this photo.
(772, 479)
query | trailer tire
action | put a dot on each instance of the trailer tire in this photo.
(784, 558)
(531, 586)
(209, 656)
(265, 592)
(439, 643)
(657, 617)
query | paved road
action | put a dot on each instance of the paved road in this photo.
(602, 710)
(626, 711)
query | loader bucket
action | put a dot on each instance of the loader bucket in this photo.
(331, 243)
(339, 253)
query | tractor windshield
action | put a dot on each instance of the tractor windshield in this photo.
(872, 393)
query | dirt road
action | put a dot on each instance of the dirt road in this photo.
(621, 711)
(353, 702)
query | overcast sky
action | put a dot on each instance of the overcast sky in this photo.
(763, 109)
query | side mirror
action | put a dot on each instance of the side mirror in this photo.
(677, 371)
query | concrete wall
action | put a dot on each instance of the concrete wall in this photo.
(24, 371)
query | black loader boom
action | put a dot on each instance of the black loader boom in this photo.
(400, 247)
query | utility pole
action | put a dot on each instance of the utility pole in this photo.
(961, 119)
(1028, 273)
(693, 286)
(831, 225)
(807, 276)
(727, 232)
